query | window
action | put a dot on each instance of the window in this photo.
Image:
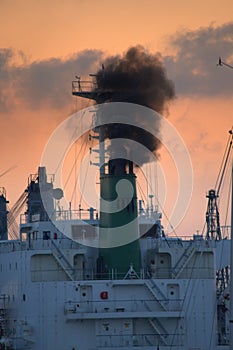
(46, 235)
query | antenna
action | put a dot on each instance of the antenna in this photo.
(221, 63)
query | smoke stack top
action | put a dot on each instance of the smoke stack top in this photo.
(136, 77)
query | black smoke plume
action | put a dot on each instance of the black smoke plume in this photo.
(136, 77)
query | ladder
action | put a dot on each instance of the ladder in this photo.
(62, 260)
(157, 293)
(184, 259)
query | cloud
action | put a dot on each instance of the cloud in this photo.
(46, 82)
(193, 67)
(5, 58)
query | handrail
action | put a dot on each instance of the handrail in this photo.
(83, 86)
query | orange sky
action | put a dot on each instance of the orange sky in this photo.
(51, 28)
(45, 38)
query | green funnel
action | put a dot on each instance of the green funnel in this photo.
(119, 232)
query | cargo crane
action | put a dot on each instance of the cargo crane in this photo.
(212, 213)
(8, 215)
(8, 224)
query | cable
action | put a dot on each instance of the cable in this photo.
(76, 180)
(222, 162)
(228, 201)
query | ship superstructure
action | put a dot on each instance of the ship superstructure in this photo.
(53, 296)
(155, 292)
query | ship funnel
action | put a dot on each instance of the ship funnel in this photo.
(119, 220)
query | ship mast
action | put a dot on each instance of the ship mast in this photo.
(88, 89)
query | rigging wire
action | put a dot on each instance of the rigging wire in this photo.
(166, 216)
(77, 157)
(75, 174)
(88, 104)
(163, 212)
(156, 180)
(222, 162)
(68, 145)
(228, 201)
(224, 180)
(76, 179)
(73, 166)
(78, 154)
(144, 195)
(8, 170)
(13, 228)
(222, 184)
(85, 179)
(224, 167)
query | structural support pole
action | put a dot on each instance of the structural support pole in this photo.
(231, 264)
